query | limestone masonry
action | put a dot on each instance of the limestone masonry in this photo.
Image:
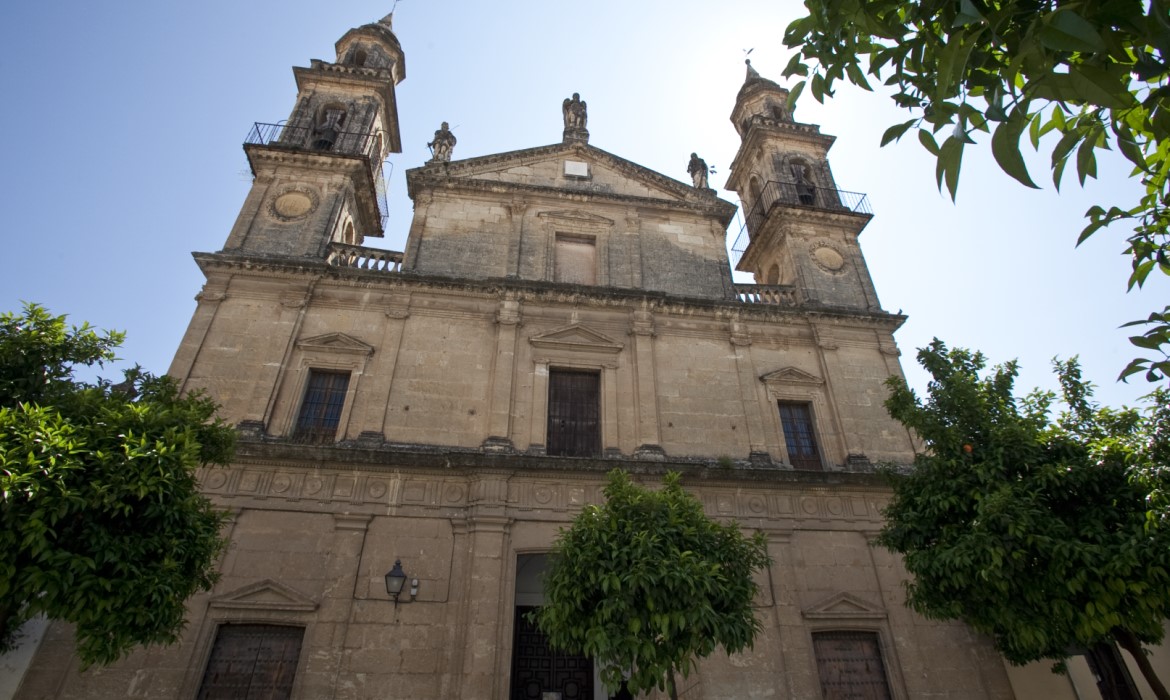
(558, 312)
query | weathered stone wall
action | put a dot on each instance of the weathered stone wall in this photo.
(310, 546)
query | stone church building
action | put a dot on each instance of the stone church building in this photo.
(438, 413)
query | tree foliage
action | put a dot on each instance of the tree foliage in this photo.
(1047, 532)
(101, 520)
(647, 583)
(1095, 74)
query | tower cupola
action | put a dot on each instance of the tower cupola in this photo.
(319, 187)
(799, 232)
(759, 98)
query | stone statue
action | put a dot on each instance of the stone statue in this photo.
(443, 144)
(574, 112)
(698, 170)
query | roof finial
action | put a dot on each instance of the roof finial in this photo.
(752, 74)
(388, 20)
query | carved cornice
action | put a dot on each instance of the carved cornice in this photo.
(355, 491)
(534, 292)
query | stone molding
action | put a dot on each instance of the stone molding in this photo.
(406, 491)
(264, 595)
(844, 606)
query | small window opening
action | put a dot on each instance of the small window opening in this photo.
(574, 413)
(321, 409)
(806, 191)
(359, 57)
(328, 128)
(773, 275)
(799, 436)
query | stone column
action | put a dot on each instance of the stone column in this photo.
(826, 345)
(646, 390)
(370, 404)
(487, 526)
(515, 244)
(741, 345)
(503, 372)
(325, 671)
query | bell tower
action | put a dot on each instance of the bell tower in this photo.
(799, 230)
(318, 175)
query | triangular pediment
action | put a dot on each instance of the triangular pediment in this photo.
(573, 167)
(576, 337)
(843, 606)
(264, 595)
(790, 375)
(336, 342)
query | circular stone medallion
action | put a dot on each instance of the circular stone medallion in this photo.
(294, 204)
(827, 258)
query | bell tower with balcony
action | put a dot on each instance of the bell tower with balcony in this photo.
(317, 176)
(800, 232)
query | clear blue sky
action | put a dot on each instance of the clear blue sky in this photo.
(123, 124)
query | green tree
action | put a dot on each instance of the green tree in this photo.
(647, 583)
(1093, 73)
(101, 520)
(1045, 532)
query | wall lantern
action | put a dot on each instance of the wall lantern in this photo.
(396, 580)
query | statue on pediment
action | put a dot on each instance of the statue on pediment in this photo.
(574, 111)
(443, 144)
(698, 170)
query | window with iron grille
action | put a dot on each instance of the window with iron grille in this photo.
(574, 412)
(252, 662)
(799, 436)
(850, 666)
(321, 409)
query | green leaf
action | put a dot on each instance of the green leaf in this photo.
(1065, 30)
(794, 94)
(1005, 146)
(968, 14)
(895, 132)
(928, 142)
(1099, 86)
(950, 161)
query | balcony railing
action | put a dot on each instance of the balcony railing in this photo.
(795, 194)
(350, 143)
(362, 258)
(776, 294)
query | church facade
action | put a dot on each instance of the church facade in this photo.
(428, 419)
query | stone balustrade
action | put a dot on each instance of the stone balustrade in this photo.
(362, 258)
(776, 294)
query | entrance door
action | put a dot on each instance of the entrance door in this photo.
(540, 672)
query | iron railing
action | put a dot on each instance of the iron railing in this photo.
(350, 143)
(362, 258)
(793, 194)
(775, 294)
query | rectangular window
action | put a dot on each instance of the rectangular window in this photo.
(252, 662)
(576, 259)
(321, 410)
(574, 413)
(799, 436)
(850, 666)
